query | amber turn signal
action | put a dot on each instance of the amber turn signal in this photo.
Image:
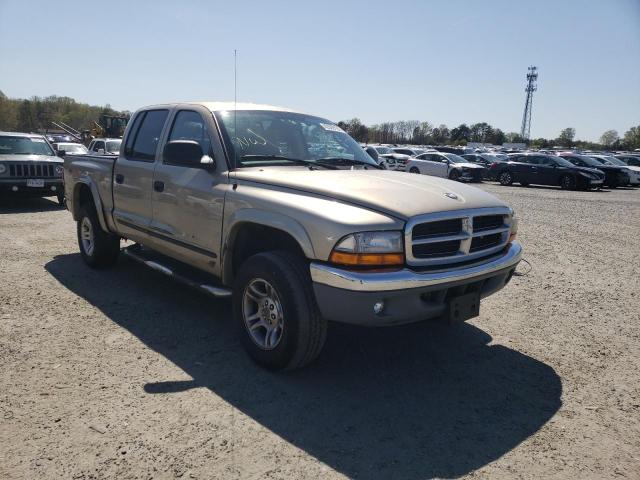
(366, 259)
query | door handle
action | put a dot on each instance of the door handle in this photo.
(158, 186)
(119, 178)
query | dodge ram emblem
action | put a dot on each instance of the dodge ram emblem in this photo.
(453, 196)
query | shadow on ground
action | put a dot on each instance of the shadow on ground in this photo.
(28, 204)
(409, 402)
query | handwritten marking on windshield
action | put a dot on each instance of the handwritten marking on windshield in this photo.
(246, 142)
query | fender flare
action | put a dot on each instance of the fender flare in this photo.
(265, 218)
(86, 181)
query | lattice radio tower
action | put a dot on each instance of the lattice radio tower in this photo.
(532, 76)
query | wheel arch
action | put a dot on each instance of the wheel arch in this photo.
(251, 232)
(86, 192)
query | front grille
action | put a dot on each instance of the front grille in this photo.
(487, 222)
(32, 170)
(443, 227)
(486, 241)
(458, 236)
(438, 249)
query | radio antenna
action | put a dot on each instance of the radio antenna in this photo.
(235, 101)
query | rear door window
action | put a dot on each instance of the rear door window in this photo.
(147, 137)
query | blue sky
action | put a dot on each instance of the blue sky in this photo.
(441, 61)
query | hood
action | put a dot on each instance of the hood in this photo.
(593, 170)
(467, 165)
(396, 193)
(30, 158)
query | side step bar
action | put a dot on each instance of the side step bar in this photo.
(136, 253)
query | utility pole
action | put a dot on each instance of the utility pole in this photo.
(532, 77)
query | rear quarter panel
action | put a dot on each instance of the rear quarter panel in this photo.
(96, 172)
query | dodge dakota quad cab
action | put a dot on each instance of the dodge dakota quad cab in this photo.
(285, 213)
(29, 167)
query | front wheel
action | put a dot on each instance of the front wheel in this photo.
(454, 175)
(98, 248)
(505, 178)
(567, 182)
(414, 170)
(60, 199)
(276, 313)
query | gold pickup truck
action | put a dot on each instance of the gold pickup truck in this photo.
(288, 215)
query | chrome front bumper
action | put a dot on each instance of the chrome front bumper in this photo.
(405, 296)
(405, 279)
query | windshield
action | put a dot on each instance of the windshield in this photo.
(267, 137)
(589, 161)
(614, 161)
(562, 162)
(455, 158)
(24, 146)
(383, 150)
(113, 146)
(72, 147)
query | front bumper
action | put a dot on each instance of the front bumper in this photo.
(408, 295)
(18, 186)
(475, 175)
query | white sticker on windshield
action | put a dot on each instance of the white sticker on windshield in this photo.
(331, 127)
(39, 140)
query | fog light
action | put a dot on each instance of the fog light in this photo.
(378, 307)
(14, 188)
(53, 188)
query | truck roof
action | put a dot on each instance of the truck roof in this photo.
(21, 134)
(222, 106)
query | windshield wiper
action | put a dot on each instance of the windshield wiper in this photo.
(298, 161)
(345, 161)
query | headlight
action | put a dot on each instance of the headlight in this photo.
(3, 169)
(369, 249)
(59, 170)
(513, 232)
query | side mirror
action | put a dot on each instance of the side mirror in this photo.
(61, 153)
(186, 153)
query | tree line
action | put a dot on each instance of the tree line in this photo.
(36, 113)
(415, 132)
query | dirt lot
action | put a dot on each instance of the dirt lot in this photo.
(124, 374)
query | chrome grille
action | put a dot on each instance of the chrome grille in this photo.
(458, 236)
(32, 170)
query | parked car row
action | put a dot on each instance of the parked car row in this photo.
(568, 170)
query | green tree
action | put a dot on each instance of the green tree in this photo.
(609, 137)
(566, 137)
(460, 133)
(632, 138)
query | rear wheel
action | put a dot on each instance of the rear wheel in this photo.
(275, 311)
(414, 170)
(567, 182)
(505, 178)
(98, 248)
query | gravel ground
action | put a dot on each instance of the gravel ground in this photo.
(125, 374)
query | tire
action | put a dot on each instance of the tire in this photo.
(524, 184)
(298, 332)
(505, 178)
(567, 182)
(454, 175)
(61, 201)
(98, 248)
(414, 170)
